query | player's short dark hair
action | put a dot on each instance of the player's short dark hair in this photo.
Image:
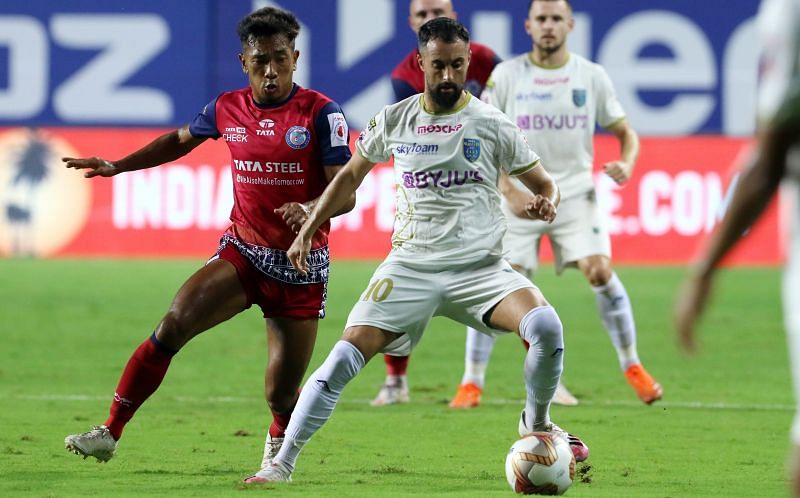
(442, 28)
(530, 4)
(268, 21)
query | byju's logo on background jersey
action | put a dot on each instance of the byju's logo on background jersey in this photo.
(297, 137)
(266, 130)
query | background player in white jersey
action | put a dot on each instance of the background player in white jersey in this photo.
(408, 80)
(779, 131)
(446, 258)
(556, 97)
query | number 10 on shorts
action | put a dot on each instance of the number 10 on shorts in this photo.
(378, 290)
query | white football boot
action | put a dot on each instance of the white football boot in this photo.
(98, 443)
(579, 448)
(274, 472)
(563, 397)
(392, 393)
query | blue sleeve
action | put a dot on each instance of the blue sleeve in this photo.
(496, 60)
(333, 135)
(402, 90)
(205, 123)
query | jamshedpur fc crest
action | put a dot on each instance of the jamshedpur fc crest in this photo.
(472, 149)
(579, 97)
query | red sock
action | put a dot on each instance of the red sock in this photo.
(142, 376)
(525, 343)
(396, 365)
(279, 423)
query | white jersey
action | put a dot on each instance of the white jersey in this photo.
(446, 168)
(557, 108)
(779, 28)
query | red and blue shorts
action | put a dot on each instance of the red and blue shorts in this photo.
(276, 297)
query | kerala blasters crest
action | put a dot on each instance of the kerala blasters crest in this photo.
(578, 97)
(472, 149)
(297, 137)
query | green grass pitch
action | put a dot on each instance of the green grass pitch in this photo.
(67, 328)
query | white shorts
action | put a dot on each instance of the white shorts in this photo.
(403, 300)
(577, 232)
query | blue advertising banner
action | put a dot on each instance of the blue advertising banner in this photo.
(90, 62)
(679, 66)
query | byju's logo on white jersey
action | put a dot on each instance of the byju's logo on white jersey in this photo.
(339, 131)
(266, 128)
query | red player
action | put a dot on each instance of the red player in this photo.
(407, 77)
(286, 144)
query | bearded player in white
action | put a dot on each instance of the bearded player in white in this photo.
(779, 133)
(556, 97)
(449, 149)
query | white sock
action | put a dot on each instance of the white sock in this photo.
(617, 315)
(476, 358)
(396, 380)
(544, 363)
(318, 399)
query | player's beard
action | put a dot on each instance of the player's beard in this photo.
(549, 49)
(446, 100)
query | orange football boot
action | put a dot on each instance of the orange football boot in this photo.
(645, 386)
(467, 396)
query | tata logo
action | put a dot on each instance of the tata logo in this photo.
(266, 128)
(438, 129)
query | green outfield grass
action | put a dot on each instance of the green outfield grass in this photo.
(68, 327)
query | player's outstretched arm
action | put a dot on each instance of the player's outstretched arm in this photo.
(621, 170)
(296, 213)
(755, 188)
(166, 148)
(546, 194)
(517, 199)
(336, 196)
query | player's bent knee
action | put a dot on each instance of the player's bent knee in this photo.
(542, 325)
(342, 364)
(170, 331)
(598, 272)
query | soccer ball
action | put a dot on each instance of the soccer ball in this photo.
(540, 463)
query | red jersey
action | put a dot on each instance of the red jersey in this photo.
(408, 79)
(278, 155)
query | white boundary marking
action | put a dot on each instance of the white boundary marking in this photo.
(694, 405)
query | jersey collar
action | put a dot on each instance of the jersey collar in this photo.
(465, 100)
(530, 59)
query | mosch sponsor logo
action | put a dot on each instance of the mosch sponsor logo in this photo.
(438, 129)
(562, 80)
